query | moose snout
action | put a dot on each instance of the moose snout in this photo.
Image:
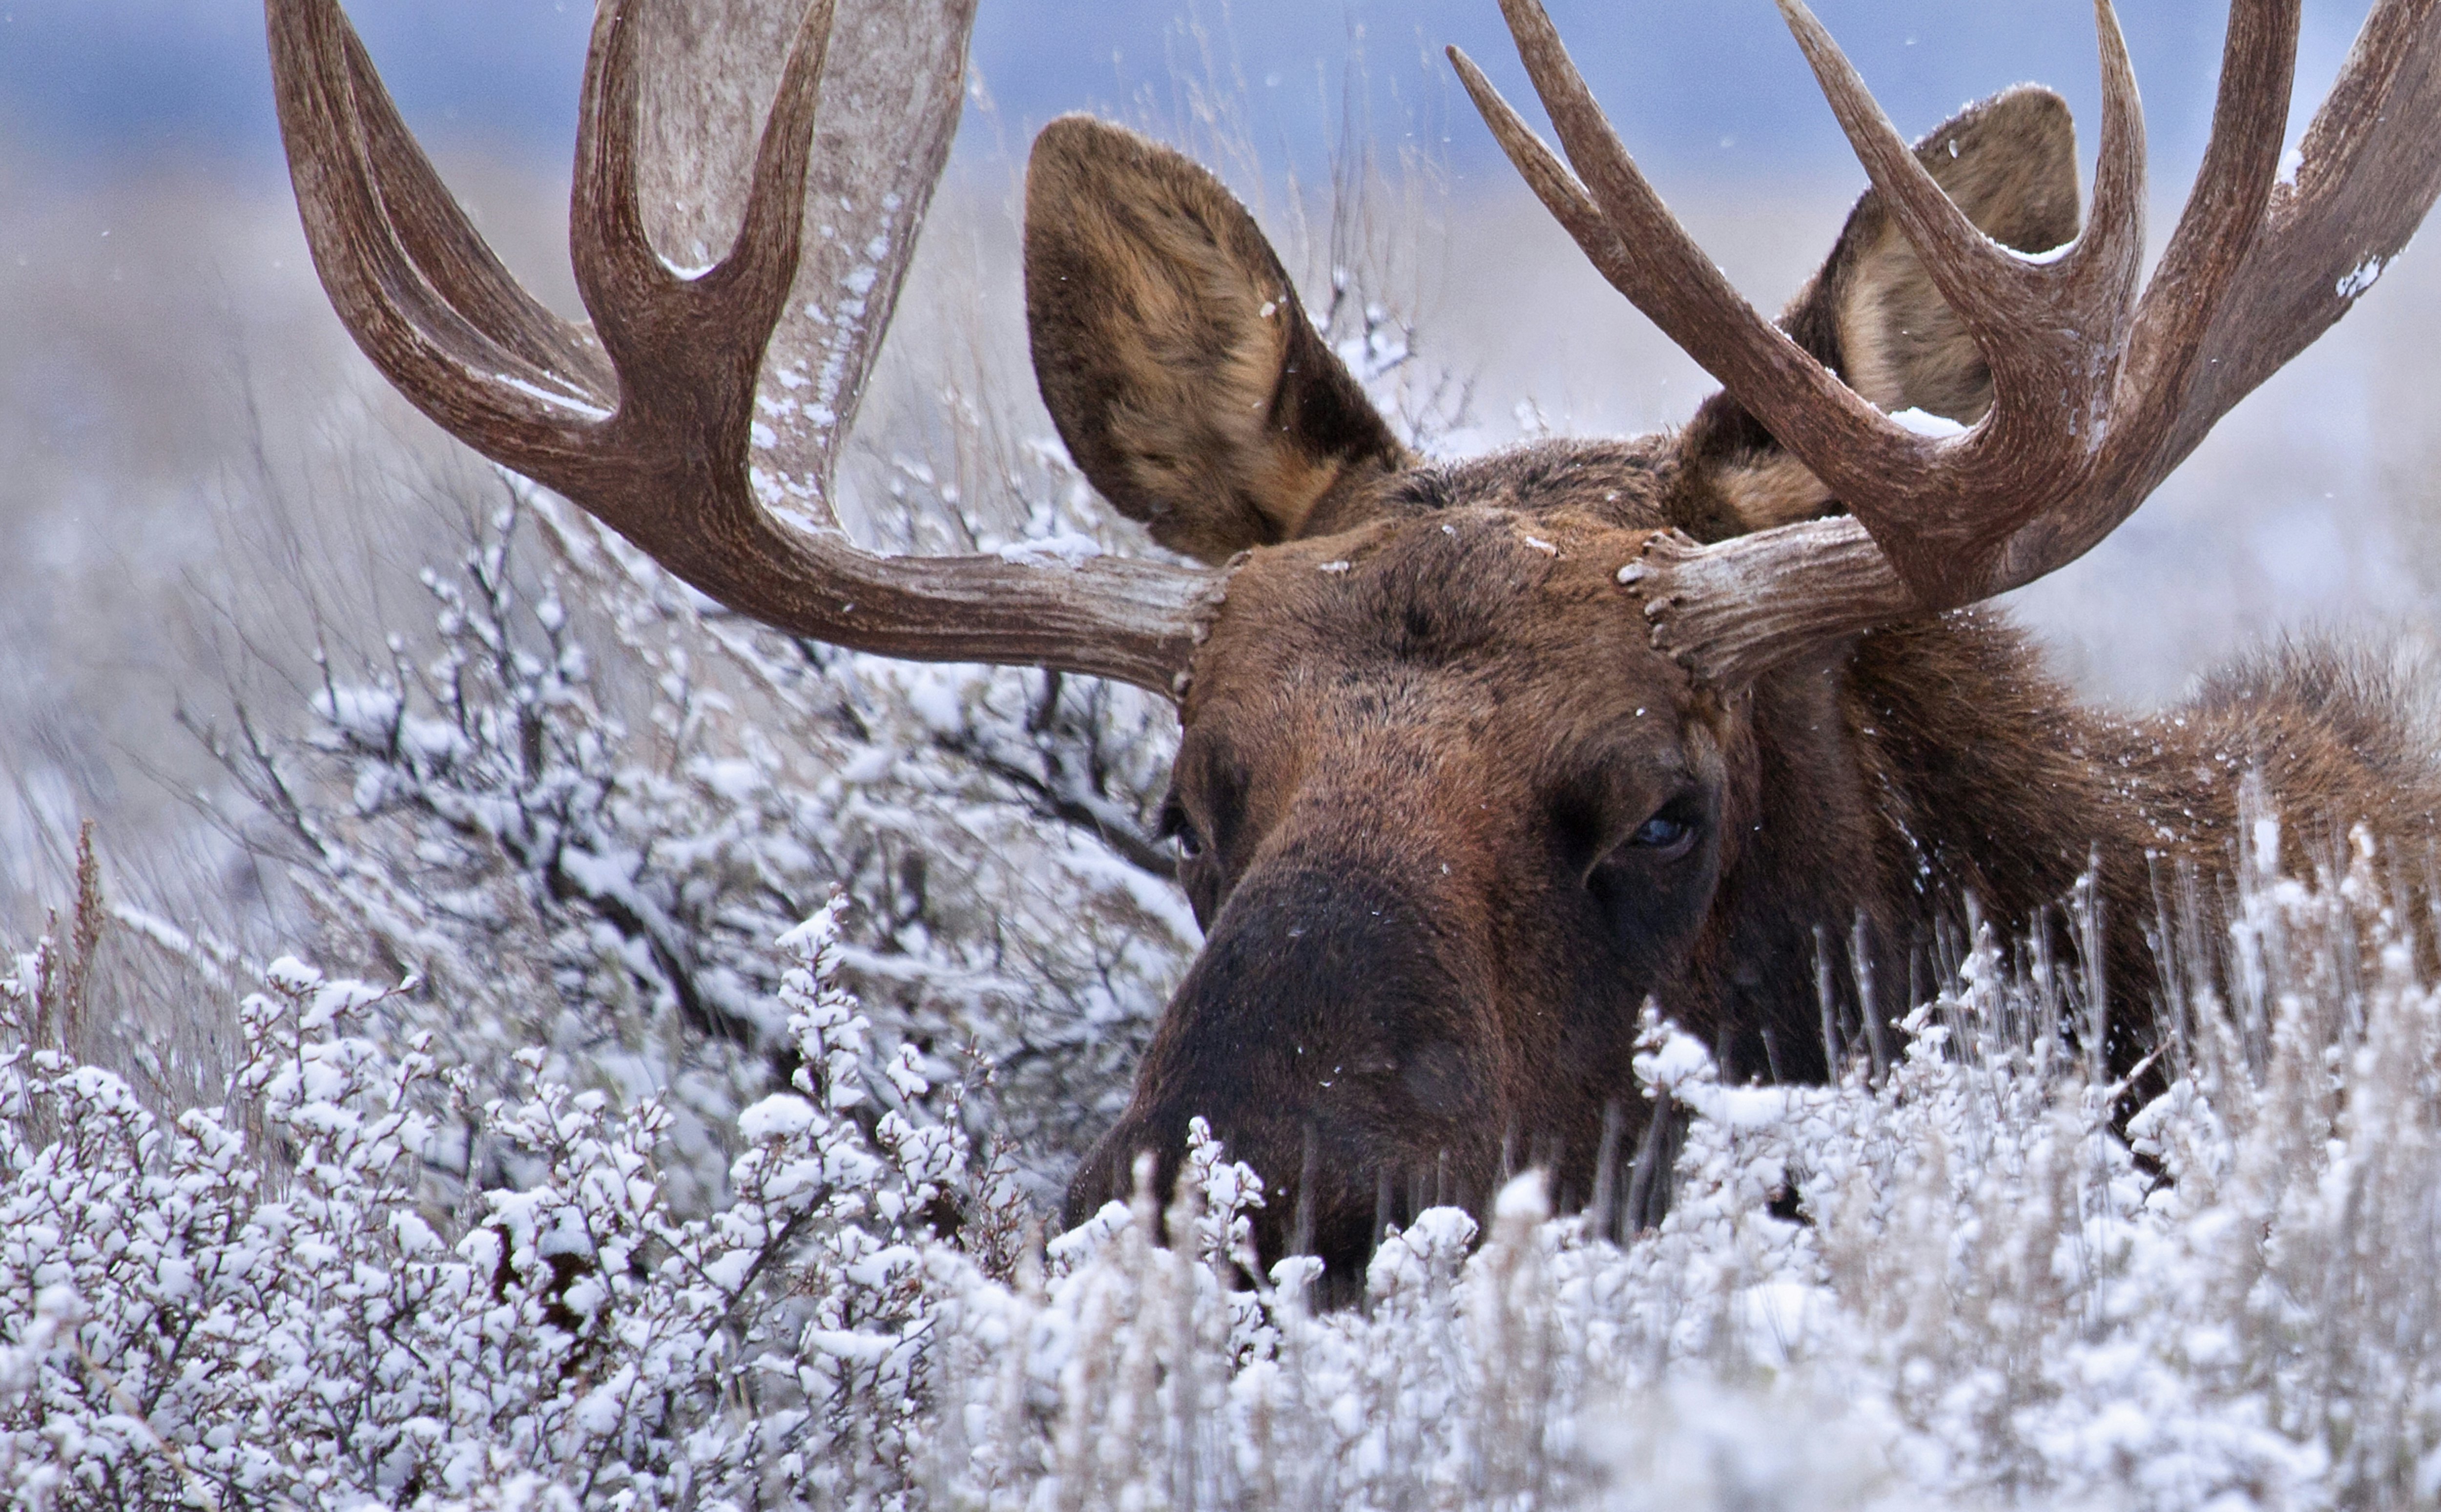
(1330, 1044)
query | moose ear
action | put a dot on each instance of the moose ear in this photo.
(1173, 353)
(1873, 315)
(2010, 163)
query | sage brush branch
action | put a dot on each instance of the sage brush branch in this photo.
(1958, 1286)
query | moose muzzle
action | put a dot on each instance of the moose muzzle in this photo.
(1330, 1037)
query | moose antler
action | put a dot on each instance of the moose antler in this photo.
(2098, 393)
(648, 417)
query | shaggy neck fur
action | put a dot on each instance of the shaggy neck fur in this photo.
(1937, 762)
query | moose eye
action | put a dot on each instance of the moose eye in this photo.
(1668, 835)
(1176, 829)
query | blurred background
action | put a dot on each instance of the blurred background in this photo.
(185, 432)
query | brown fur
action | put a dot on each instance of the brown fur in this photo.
(1423, 744)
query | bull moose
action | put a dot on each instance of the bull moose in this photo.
(1476, 757)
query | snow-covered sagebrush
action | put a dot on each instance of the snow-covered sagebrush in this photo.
(578, 805)
(1986, 1297)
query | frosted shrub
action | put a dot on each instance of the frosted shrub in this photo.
(1955, 1285)
(580, 830)
(258, 1302)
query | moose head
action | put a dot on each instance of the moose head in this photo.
(1480, 757)
(1447, 816)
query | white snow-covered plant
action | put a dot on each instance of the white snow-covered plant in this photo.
(580, 829)
(260, 1304)
(1955, 1284)
(217, 1275)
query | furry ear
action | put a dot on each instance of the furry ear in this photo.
(1173, 353)
(2010, 163)
(1873, 315)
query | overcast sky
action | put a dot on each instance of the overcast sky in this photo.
(1712, 87)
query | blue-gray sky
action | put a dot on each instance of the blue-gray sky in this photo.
(1711, 87)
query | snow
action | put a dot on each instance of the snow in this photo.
(783, 1115)
(558, 399)
(368, 714)
(292, 974)
(1679, 1061)
(2357, 280)
(736, 781)
(600, 877)
(1923, 422)
(936, 701)
(1522, 1199)
(1067, 550)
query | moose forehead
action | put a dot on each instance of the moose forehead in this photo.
(1475, 609)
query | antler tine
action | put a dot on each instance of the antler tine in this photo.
(438, 240)
(1731, 611)
(1661, 270)
(421, 341)
(2107, 256)
(2153, 415)
(1545, 174)
(622, 280)
(1989, 289)
(637, 301)
(771, 233)
(2368, 171)
(2225, 208)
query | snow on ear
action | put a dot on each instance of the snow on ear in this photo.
(1172, 350)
